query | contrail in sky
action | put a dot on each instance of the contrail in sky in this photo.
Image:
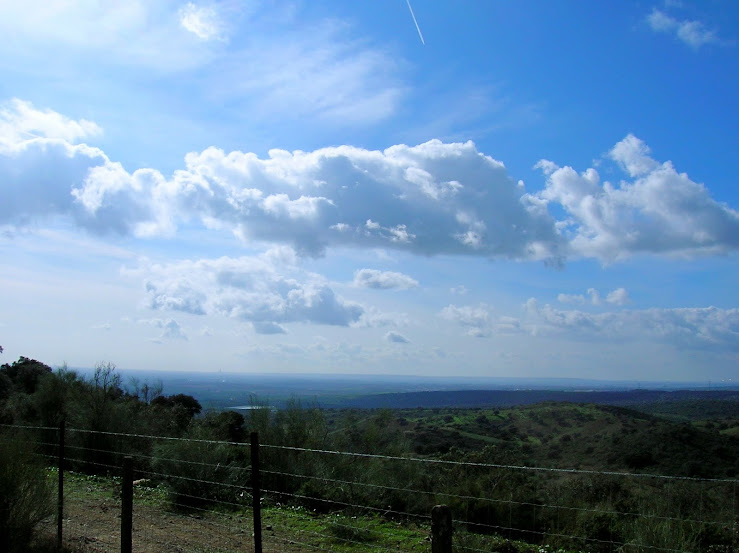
(416, 22)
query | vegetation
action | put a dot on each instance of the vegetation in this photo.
(25, 493)
(108, 419)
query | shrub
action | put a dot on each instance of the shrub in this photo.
(200, 472)
(25, 495)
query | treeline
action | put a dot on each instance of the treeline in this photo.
(578, 510)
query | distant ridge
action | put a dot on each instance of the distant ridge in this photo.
(222, 390)
(510, 398)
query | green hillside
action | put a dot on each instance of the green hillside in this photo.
(564, 435)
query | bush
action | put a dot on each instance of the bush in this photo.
(200, 472)
(25, 495)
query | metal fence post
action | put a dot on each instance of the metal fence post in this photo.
(256, 492)
(127, 505)
(441, 529)
(60, 496)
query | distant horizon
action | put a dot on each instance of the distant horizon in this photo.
(694, 384)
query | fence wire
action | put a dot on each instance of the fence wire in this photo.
(205, 488)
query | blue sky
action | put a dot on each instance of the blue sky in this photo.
(533, 189)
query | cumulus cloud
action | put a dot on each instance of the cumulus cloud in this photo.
(373, 318)
(43, 174)
(658, 211)
(476, 319)
(372, 278)
(248, 289)
(433, 198)
(691, 328)
(691, 32)
(354, 197)
(429, 199)
(619, 296)
(396, 338)
(171, 329)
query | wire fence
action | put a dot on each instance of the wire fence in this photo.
(207, 495)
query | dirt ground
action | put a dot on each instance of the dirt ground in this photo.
(93, 525)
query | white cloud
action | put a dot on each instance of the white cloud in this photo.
(314, 70)
(338, 196)
(507, 325)
(691, 328)
(460, 290)
(571, 298)
(20, 121)
(347, 196)
(372, 278)
(475, 318)
(373, 318)
(202, 21)
(619, 296)
(396, 338)
(660, 211)
(691, 32)
(594, 296)
(297, 67)
(171, 329)
(249, 289)
(131, 33)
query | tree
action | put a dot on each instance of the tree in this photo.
(25, 373)
(181, 409)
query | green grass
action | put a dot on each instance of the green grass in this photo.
(340, 532)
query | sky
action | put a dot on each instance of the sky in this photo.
(476, 188)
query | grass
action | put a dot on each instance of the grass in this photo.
(346, 534)
(301, 527)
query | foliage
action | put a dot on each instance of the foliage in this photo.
(206, 459)
(25, 494)
(198, 471)
(25, 373)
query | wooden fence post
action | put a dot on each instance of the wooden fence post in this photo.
(441, 529)
(127, 505)
(256, 492)
(60, 496)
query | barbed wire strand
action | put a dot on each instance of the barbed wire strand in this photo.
(703, 481)
(201, 481)
(581, 538)
(492, 500)
(151, 437)
(345, 504)
(155, 458)
(496, 466)
(397, 458)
